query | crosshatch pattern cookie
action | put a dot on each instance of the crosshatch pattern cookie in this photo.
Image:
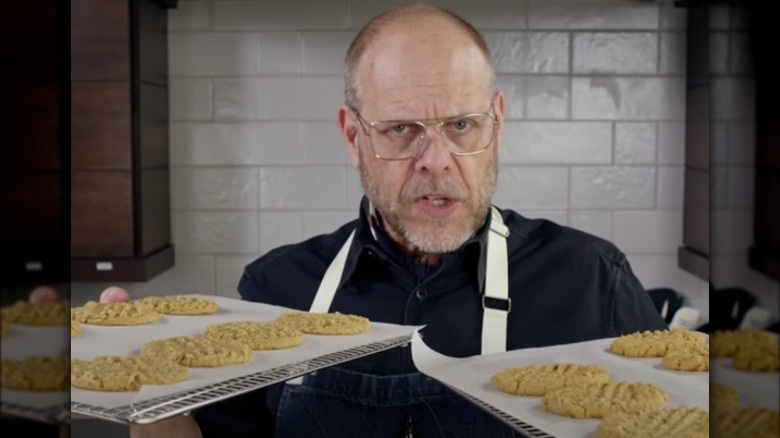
(594, 400)
(677, 422)
(24, 312)
(326, 323)
(692, 358)
(655, 343)
(132, 313)
(257, 335)
(722, 396)
(751, 421)
(125, 373)
(538, 379)
(36, 373)
(198, 351)
(181, 305)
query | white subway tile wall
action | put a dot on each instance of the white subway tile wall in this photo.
(594, 136)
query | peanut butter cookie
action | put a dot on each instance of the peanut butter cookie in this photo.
(257, 335)
(655, 343)
(132, 313)
(594, 400)
(678, 422)
(198, 351)
(181, 305)
(36, 373)
(538, 379)
(125, 373)
(325, 323)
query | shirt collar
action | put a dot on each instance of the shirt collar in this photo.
(366, 241)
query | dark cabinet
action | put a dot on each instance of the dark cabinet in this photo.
(119, 177)
(34, 238)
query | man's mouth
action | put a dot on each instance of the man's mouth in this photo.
(436, 200)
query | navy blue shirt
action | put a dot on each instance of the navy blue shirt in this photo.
(565, 285)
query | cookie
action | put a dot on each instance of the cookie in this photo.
(133, 313)
(677, 422)
(36, 373)
(594, 400)
(538, 379)
(24, 312)
(727, 343)
(722, 396)
(75, 327)
(325, 323)
(655, 343)
(688, 358)
(198, 351)
(256, 335)
(125, 373)
(5, 327)
(180, 305)
(764, 357)
(751, 421)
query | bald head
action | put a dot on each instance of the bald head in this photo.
(411, 26)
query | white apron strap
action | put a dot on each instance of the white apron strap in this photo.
(494, 321)
(330, 281)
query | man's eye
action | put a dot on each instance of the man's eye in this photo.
(400, 128)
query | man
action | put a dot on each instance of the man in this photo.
(423, 123)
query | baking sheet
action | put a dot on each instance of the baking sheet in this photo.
(27, 340)
(472, 376)
(127, 340)
(756, 388)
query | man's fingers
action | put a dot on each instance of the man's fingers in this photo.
(114, 294)
(44, 294)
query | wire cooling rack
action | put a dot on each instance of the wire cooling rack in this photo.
(522, 428)
(51, 414)
(160, 408)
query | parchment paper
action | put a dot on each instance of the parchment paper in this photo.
(27, 340)
(472, 376)
(127, 340)
(757, 388)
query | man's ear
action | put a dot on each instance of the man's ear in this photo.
(500, 108)
(349, 129)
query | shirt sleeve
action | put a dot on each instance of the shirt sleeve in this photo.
(633, 309)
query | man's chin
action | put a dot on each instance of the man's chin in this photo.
(435, 240)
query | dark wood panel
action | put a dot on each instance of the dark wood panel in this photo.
(100, 40)
(767, 212)
(696, 229)
(153, 126)
(102, 214)
(141, 268)
(29, 37)
(31, 207)
(31, 126)
(152, 55)
(101, 125)
(155, 210)
(697, 128)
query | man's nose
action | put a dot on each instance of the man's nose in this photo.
(434, 155)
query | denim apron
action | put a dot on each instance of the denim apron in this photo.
(342, 403)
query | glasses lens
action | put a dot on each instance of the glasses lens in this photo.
(462, 135)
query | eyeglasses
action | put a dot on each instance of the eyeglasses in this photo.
(467, 134)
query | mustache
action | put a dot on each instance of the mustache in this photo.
(432, 185)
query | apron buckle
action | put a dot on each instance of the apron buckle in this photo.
(506, 305)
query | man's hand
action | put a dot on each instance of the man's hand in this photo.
(44, 294)
(114, 294)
